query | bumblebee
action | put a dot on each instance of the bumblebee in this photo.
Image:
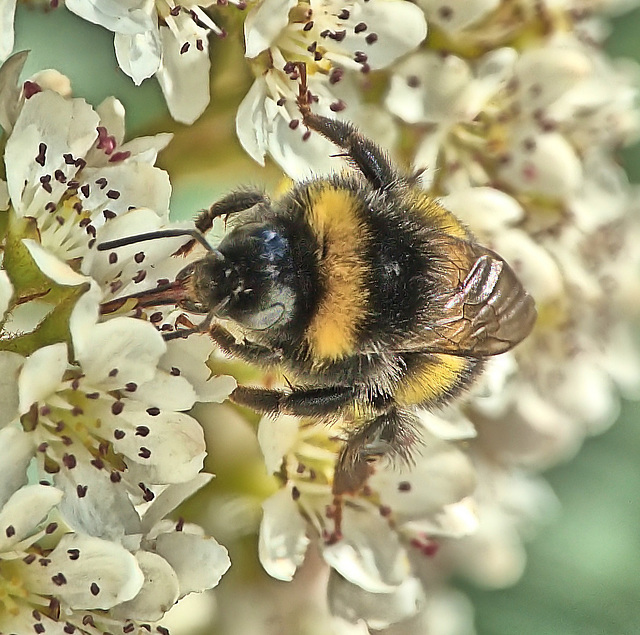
(369, 295)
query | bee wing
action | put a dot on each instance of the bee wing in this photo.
(487, 313)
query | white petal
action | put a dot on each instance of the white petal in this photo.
(172, 452)
(493, 557)
(457, 15)
(283, 540)
(139, 55)
(6, 292)
(400, 27)
(184, 77)
(10, 365)
(622, 361)
(544, 163)
(546, 73)
(51, 79)
(52, 267)
(369, 554)
(25, 622)
(166, 392)
(119, 16)
(111, 112)
(170, 498)
(490, 394)
(378, 610)
(536, 268)
(99, 574)
(453, 521)
(105, 509)
(7, 14)
(42, 375)
(26, 508)
(16, 452)
(588, 393)
(301, 159)
(426, 157)
(444, 612)
(128, 346)
(199, 561)
(428, 87)
(251, 123)
(159, 591)
(277, 437)
(484, 209)
(189, 356)
(452, 427)
(264, 23)
(64, 126)
(448, 471)
(135, 221)
(139, 185)
(146, 149)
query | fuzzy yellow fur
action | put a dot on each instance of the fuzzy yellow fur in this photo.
(437, 377)
(333, 217)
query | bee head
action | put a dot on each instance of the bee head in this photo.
(245, 279)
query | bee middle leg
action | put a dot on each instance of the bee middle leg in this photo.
(326, 401)
(367, 156)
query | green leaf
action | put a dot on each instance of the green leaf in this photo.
(54, 327)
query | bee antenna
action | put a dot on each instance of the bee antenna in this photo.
(161, 233)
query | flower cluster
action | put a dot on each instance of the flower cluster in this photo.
(93, 411)
(515, 114)
(510, 114)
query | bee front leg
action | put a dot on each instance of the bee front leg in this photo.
(247, 351)
(232, 203)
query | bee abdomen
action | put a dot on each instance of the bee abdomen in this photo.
(434, 379)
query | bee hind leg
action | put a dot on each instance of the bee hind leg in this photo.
(393, 434)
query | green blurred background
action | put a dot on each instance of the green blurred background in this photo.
(583, 574)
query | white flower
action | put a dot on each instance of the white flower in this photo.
(367, 538)
(335, 41)
(520, 145)
(268, 121)
(356, 35)
(161, 38)
(69, 172)
(445, 612)
(107, 424)
(523, 121)
(47, 577)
